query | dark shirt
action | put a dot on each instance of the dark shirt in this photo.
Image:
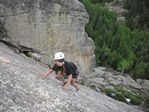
(68, 68)
(57, 68)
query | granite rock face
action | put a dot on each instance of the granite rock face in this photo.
(103, 77)
(51, 26)
(21, 90)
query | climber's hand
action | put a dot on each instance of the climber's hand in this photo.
(43, 76)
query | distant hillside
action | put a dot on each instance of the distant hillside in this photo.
(122, 47)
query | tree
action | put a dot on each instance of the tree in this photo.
(124, 48)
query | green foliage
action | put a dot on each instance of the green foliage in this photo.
(135, 98)
(146, 97)
(123, 65)
(114, 59)
(122, 95)
(137, 16)
(116, 45)
(100, 1)
(140, 69)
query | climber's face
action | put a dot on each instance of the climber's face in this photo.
(58, 63)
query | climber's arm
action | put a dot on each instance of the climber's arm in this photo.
(69, 79)
(45, 75)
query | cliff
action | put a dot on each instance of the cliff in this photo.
(50, 26)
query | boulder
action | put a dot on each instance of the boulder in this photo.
(51, 26)
(145, 85)
(105, 77)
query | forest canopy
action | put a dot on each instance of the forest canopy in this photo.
(124, 47)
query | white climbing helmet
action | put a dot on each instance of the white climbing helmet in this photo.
(59, 55)
(128, 100)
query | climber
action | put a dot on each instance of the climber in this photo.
(65, 71)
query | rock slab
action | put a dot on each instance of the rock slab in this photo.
(21, 90)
